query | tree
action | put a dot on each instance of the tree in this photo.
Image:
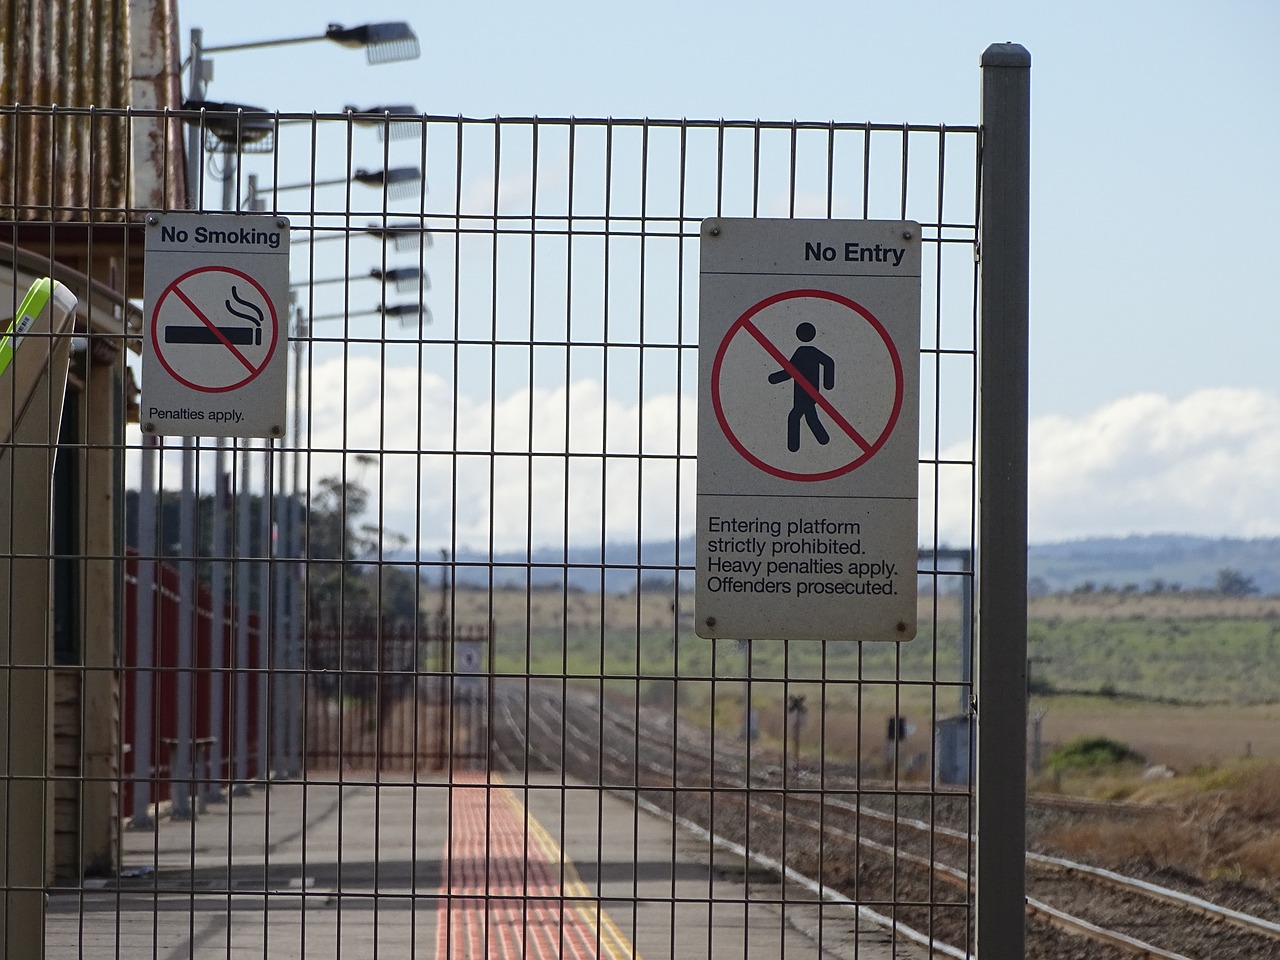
(348, 580)
(1234, 583)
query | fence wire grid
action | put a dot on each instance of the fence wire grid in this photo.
(418, 677)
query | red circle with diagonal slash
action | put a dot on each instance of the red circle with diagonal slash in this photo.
(252, 369)
(868, 445)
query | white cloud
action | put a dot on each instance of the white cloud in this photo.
(1208, 463)
(559, 464)
(544, 466)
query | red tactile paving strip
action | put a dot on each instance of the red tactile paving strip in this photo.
(502, 898)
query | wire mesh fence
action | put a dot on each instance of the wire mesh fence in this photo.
(418, 676)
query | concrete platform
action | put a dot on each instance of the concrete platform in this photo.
(392, 869)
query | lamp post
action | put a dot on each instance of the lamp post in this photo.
(406, 313)
(289, 718)
(280, 700)
(396, 183)
(386, 42)
(402, 278)
(390, 42)
(399, 233)
(237, 129)
(141, 818)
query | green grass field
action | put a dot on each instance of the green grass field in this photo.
(1178, 671)
(1198, 661)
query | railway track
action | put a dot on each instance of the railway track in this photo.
(900, 854)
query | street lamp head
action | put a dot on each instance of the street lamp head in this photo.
(404, 278)
(407, 313)
(381, 116)
(249, 129)
(376, 114)
(382, 42)
(402, 234)
(398, 181)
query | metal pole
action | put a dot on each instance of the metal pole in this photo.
(196, 88)
(144, 654)
(296, 647)
(966, 634)
(217, 628)
(266, 644)
(1002, 490)
(280, 678)
(180, 762)
(243, 587)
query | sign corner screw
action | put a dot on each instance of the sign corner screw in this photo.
(148, 428)
(710, 621)
(907, 235)
(152, 219)
(902, 627)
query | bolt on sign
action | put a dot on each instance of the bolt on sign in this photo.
(216, 295)
(808, 419)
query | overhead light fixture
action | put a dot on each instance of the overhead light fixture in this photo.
(399, 182)
(394, 121)
(407, 313)
(402, 234)
(404, 278)
(248, 129)
(382, 42)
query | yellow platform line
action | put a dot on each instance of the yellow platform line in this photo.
(613, 941)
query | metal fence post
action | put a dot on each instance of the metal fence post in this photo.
(144, 732)
(1002, 490)
(182, 772)
(267, 665)
(241, 591)
(218, 628)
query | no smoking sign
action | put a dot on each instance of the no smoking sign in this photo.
(216, 293)
(807, 429)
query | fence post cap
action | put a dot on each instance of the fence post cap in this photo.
(1006, 55)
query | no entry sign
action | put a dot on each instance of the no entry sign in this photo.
(807, 429)
(216, 298)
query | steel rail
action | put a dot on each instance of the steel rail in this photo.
(1066, 922)
(1186, 901)
(895, 927)
(1074, 925)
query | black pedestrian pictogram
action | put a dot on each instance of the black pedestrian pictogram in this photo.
(221, 334)
(819, 372)
(839, 446)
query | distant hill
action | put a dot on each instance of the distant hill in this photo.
(1171, 561)
(612, 567)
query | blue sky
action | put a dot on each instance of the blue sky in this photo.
(1153, 173)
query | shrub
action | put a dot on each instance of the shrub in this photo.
(1091, 752)
(1160, 843)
